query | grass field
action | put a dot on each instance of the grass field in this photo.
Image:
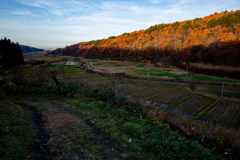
(158, 73)
(166, 73)
(213, 79)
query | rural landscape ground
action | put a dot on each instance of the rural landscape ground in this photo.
(78, 126)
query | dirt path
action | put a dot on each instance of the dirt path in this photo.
(40, 149)
(62, 133)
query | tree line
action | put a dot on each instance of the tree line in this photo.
(10, 54)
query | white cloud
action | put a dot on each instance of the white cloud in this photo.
(23, 13)
(36, 3)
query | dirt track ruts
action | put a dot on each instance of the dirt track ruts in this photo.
(58, 127)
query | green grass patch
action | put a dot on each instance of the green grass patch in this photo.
(15, 131)
(158, 73)
(141, 138)
(213, 79)
(141, 65)
(119, 65)
(51, 65)
(111, 63)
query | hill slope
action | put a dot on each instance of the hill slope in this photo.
(27, 49)
(213, 39)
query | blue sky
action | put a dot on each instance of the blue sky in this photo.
(58, 23)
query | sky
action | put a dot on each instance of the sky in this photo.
(53, 24)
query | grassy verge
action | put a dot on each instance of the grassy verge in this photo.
(15, 131)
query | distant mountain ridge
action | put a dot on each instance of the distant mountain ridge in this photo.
(27, 49)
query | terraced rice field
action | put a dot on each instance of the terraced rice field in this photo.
(127, 88)
(146, 93)
(227, 91)
(175, 98)
(168, 99)
(99, 83)
(193, 106)
(224, 113)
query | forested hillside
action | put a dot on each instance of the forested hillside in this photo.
(213, 39)
(27, 49)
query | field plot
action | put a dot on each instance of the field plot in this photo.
(170, 98)
(58, 63)
(42, 58)
(227, 92)
(99, 83)
(75, 76)
(159, 73)
(224, 113)
(146, 93)
(191, 107)
(127, 88)
(79, 80)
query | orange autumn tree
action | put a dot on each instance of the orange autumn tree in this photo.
(207, 39)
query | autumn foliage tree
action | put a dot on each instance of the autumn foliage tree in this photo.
(211, 39)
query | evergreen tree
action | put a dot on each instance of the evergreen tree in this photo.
(10, 54)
